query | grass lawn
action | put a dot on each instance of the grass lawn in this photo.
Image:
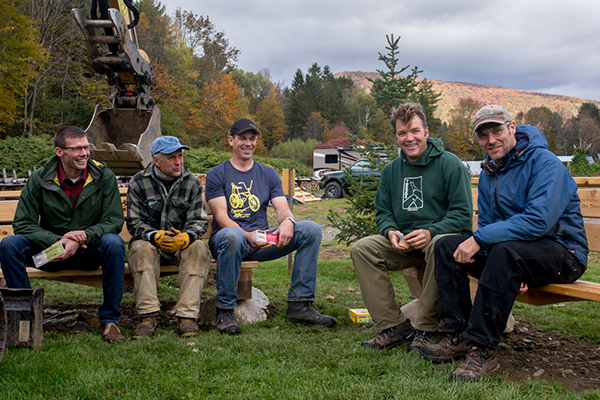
(270, 360)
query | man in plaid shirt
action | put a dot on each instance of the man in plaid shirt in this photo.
(166, 218)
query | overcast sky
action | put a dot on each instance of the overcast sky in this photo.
(548, 46)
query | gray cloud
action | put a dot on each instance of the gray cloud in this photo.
(547, 46)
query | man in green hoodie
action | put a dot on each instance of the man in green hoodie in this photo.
(423, 194)
(73, 200)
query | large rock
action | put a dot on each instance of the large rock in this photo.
(246, 312)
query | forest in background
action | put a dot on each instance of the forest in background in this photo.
(46, 82)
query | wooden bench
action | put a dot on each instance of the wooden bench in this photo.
(589, 193)
(8, 206)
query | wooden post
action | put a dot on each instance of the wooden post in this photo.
(289, 186)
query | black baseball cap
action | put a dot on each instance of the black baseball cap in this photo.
(242, 125)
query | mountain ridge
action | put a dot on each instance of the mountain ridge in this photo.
(514, 100)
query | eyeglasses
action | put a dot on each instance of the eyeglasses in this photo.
(496, 132)
(77, 149)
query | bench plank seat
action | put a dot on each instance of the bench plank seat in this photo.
(8, 206)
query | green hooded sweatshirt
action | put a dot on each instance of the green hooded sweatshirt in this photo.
(431, 193)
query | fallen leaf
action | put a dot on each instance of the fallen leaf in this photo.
(329, 297)
(351, 289)
(195, 350)
(191, 343)
(558, 305)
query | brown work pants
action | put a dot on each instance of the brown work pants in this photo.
(193, 262)
(373, 258)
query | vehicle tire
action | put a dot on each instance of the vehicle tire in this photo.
(333, 190)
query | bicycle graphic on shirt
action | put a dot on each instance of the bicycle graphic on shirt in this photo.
(239, 198)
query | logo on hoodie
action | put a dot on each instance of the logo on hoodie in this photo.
(412, 193)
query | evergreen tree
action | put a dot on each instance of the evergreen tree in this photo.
(580, 166)
(392, 89)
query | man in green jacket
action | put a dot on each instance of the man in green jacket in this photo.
(423, 194)
(73, 200)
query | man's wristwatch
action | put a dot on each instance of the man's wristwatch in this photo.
(291, 219)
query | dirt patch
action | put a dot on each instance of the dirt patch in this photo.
(529, 352)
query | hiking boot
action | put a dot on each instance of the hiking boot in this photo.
(226, 322)
(480, 362)
(455, 345)
(145, 328)
(422, 339)
(188, 327)
(111, 333)
(303, 312)
(392, 337)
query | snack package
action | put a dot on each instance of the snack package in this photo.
(268, 237)
(402, 243)
(49, 254)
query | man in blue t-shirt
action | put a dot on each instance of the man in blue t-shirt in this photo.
(238, 192)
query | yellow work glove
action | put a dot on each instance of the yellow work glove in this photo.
(175, 242)
(161, 236)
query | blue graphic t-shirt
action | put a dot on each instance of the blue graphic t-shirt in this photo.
(247, 193)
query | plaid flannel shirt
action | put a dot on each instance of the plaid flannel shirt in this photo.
(150, 208)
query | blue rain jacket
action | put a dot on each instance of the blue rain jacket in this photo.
(532, 195)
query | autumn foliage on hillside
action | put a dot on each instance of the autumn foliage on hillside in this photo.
(513, 100)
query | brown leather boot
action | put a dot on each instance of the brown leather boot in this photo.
(111, 333)
(145, 328)
(188, 327)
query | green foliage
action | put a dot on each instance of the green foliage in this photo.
(392, 89)
(427, 97)
(23, 154)
(200, 160)
(358, 220)
(295, 149)
(318, 92)
(19, 56)
(580, 165)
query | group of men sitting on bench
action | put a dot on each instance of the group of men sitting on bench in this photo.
(530, 232)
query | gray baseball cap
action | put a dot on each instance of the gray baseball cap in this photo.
(491, 113)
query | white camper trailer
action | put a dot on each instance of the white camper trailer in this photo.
(325, 160)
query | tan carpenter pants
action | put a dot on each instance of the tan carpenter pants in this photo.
(373, 258)
(144, 262)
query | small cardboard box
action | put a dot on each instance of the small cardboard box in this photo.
(360, 315)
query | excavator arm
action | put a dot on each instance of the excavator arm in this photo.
(121, 135)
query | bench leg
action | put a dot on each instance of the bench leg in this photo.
(244, 289)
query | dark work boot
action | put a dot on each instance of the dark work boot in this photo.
(422, 339)
(481, 361)
(392, 337)
(226, 322)
(303, 312)
(455, 345)
(145, 328)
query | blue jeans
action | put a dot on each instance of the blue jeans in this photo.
(230, 247)
(16, 254)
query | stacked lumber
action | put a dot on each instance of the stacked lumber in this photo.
(303, 197)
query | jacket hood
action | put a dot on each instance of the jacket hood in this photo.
(49, 171)
(529, 138)
(435, 147)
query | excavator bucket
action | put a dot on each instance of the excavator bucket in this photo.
(122, 137)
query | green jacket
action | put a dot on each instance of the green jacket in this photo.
(432, 193)
(45, 213)
(151, 208)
